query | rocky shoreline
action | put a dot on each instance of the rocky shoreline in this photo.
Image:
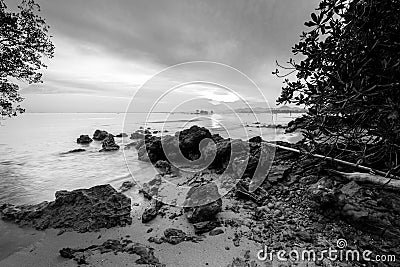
(80, 210)
(299, 204)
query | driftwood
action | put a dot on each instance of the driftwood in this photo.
(368, 178)
(343, 162)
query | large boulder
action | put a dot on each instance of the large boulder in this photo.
(84, 139)
(100, 135)
(189, 141)
(109, 144)
(151, 150)
(223, 151)
(81, 210)
(186, 143)
(203, 203)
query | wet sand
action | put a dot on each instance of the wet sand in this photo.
(41, 248)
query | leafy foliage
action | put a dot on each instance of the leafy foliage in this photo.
(24, 40)
(349, 79)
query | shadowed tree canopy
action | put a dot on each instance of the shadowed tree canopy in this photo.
(24, 40)
(349, 79)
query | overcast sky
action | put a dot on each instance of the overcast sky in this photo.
(105, 50)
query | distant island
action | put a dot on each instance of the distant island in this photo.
(283, 109)
(203, 112)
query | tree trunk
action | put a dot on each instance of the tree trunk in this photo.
(367, 178)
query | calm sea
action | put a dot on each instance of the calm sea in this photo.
(33, 166)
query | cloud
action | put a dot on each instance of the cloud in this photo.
(214, 93)
(112, 47)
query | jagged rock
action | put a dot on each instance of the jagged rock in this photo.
(109, 144)
(204, 227)
(145, 253)
(225, 152)
(175, 236)
(81, 210)
(202, 203)
(100, 135)
(151, 211)
(126, 186)
(163, 166)
(84, 139)
(256, 139)
(150, 189)
(151, 150)
(121, 135)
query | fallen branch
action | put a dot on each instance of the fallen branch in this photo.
(343, 162)
(367, 178)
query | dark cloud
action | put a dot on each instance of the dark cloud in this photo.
(246, 34)
(236, 32)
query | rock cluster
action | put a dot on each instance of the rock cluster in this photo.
(197, 146)
(82, 255)
(303, 205)
(81, 210)
(374, 211)
(173, 236)
(184, 145)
